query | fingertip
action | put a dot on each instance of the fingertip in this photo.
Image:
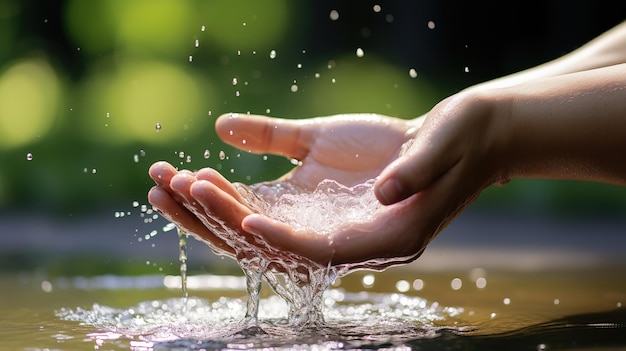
(157, 196)
(226, 122)
(389, 191)
(181, 181)
(160, 170)
(201, 188)
(253, 223)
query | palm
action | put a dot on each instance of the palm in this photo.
(348, 152)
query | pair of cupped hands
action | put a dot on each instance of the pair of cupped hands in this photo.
(424, 169)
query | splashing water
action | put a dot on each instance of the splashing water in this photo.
(329, 207)
(182, 257)
(298, 281)
(363, 320)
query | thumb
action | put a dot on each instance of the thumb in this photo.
(262, 134)
(411, 173)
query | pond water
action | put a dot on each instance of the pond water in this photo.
(488, 283)
(402, 308)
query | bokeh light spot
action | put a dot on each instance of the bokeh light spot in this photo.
(149, 101)
(29, 94)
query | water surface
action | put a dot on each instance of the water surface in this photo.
(399, 309)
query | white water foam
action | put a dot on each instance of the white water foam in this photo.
(325, 210)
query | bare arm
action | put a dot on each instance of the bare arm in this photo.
(606, 50)
(567, 127)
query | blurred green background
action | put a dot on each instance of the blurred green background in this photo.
(83, 84)
(93, 92)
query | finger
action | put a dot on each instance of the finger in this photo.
(392, 236)
(261, 134)
(281, 236)
(181, 186)
(222, 207)
(218, 180)
(176, 213)
(162, 172)
(423, 163)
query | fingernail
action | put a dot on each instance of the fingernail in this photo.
(389, 191)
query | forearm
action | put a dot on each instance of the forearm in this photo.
(566, 127)
(606, 50)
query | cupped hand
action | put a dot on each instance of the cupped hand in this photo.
(349, 149)
(453, 156)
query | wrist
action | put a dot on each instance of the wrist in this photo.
(490, 109)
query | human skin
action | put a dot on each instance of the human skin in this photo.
(562, 120)
(336, 147)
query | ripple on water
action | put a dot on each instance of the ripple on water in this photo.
(350, 320)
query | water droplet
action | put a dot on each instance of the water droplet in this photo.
(294, 88)
(466, 69)
(108, 115)
(93, 171)
(264, 157)
(29, 156)
(232, 170)
(190, 58)
(317, 75)
(158, 127)
(136, 158)
(210, 113)
(244, 141)
(207, 153)
(377, 8)
(235, 81)
(333, 80)
(431, 25)
(237, 93)
(142, 153)
(222, 155)
(188, 159)
(202, 28)
(273, 54)
(299, 65)
(197, 43)
(267, 110)
(181, 154)
(334, 15)
(412, 73)
(360, 52)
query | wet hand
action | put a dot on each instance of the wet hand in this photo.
(349, 149)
